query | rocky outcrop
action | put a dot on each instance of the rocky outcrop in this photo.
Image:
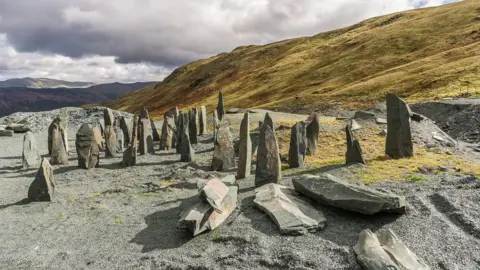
(87, 148)
(327, 189)
(399, 137)
(268, 157)
(223, 151)
(43, 186)
(298, 145)
(291, 213)
(245, 149)
(30, 154)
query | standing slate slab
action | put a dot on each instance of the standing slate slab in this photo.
(120, 139)
(130, 155)
(245, 149)
(183, 123)
(30, 155)
(313, 130)
(220, 107)
(108, 118)
(43, 187)
(223, 150)
(186, 151)
(60, 123)
(354, 151)
(193, 131)
(203, 121)
(98, 136)
(144, 113)
(87, 148)
(268, 157)
(298, 145)
(110, 142)
(126, 131)
(146, 137)
(168, 133)
(59, 155)
(399, 137)
(216, 123)
(155, 135)
(173, 113)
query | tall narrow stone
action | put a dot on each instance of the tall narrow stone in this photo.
(126, 131)
(98, 136)
(120, 139)
(183, 124)
(155, 135)
(173, 113)
(59, 155)
(215, 123)
(245, 149)
(108, 118)
(354, 151)
(30, 155)
(146, 138)
(144, 113)
(61, 123)
(130, 155)
(223, 150)
(186, 150)
(313, 130)
(111, 142)
(399, 137)
(43, 187)
(220, 107)
(87, 148)
(298, 145)
(268, 157)
(203, 120)
(168, 133)
(193, 131)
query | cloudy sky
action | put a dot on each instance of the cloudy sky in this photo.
(142, 40)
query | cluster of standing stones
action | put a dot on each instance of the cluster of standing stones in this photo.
(217, 198)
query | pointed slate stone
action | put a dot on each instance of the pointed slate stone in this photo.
(108, 118)
(30, 155)
(168, 133)
(130, 155)
(223, 150)
(186, 151)
(146, 137)
(291, 213)
(399, 137)
(59, 155)
(216, 123)
(87, 148)
(354, 151)
(43, 187)
(173, 114)
(183, 123)
(298, 145)
(61, 124)
(268, 157)
(214, 192)
(127, 133)
(193, 114)
(203, 120)
(220, 107)
(144, 113)
(155, 135)
(313, 130)
(98, 136)
(385, 252)
(245, 149)
(327, 189)
(110, 142)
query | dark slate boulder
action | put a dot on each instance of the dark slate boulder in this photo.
(220, 107)
(354, 151)
(268, 157)
(399, 138)
(193, 125)
(87, 148)
(223, 151)
(313, 130)
(298, 145)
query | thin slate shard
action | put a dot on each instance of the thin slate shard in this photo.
(245, 149)
(399, 137)
(220, 107)
(298, 145)
(43, 186)
(268, 157)
(186, 150)
(354, 151)
(203, 120)
(193, 124)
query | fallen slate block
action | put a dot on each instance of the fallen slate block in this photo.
(327, 189)
(18, 128)
(385, 252)
(201, 216)
(381, 120)
(292, 214)
(363, 115)
(214, 192)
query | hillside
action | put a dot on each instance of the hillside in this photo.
(16, 99)
(419, 54)
(42, 83)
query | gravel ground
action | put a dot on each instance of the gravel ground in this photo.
(125, 218)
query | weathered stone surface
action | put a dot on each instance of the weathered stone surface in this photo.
(363, 115)
(201, 216)
(6, 133)
(18, 128)
(127, 133)
(146, 137)
(327, 189)
(155, 135)
(220, 107)
(87, 148)
(354, 151)
(168, 133)
(182, 127)
(214, 192)
(399, 137)
(354, 125)
(245, 149)
(193, 124)
(120, 139)
(291, 213)
(108, 118)
(228, 180)
(62, 125)
(216, 123)
(144, 113)
(130, 155)
(98, 136)
(30, 155)
(110, 142)
(385, 252)
(203, 120)
(298, 145)
(223, 150)
(43, 186)
(380, 120)
(268, 157)
(313, 130)
(59, 155)
(173, 113)
(186, 150)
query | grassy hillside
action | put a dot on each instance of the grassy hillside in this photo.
(420, 54)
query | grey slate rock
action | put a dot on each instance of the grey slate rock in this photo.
(144, 113)
(363, 115)
(245, 149)
(355, 125)
(214, 191)
(59, 155)
(6, 133)
(43, 186)
(108, 118)
(127, 133)
(203, 121)
(61, 124)
(182, 127)
(385, 251)
(220, 107)
(18, 128)
(187, 153)
(193, 124)
(223, 150)
(87, 148)
(155, 135)
(146, 137)
(327, 189)
(313, 130)
(110, 142)
(399, 137)
(120, 139)
(291, 213)
(30, 154)
(216, 123)
(268, 157)
(130, 155)
(168, 133)
(382, 121)
(354, 151)
(298, 145)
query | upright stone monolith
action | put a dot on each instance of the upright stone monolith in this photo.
(108, 118)
(193, 131)
(220, 107)
(268, 157)
(245, 149)
(298, 145)
(126, 131)
(203, 120)
(223, 150)
(144, 114)
(399, 137)
(354, 151)
(146, 137)
(215, 122)
(183, 124)
(155, 135)
(61, 123)
(87, 148)
(30, 155)
(130, 155)
(98, 136)
(168, 133)
(120, 139)
(186, 150)
(313, 130)
(59, 154)
(43, 187)
(111, 142)
(173, 114)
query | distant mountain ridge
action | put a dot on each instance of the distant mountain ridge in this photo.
(24, 99)
(43, 83)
